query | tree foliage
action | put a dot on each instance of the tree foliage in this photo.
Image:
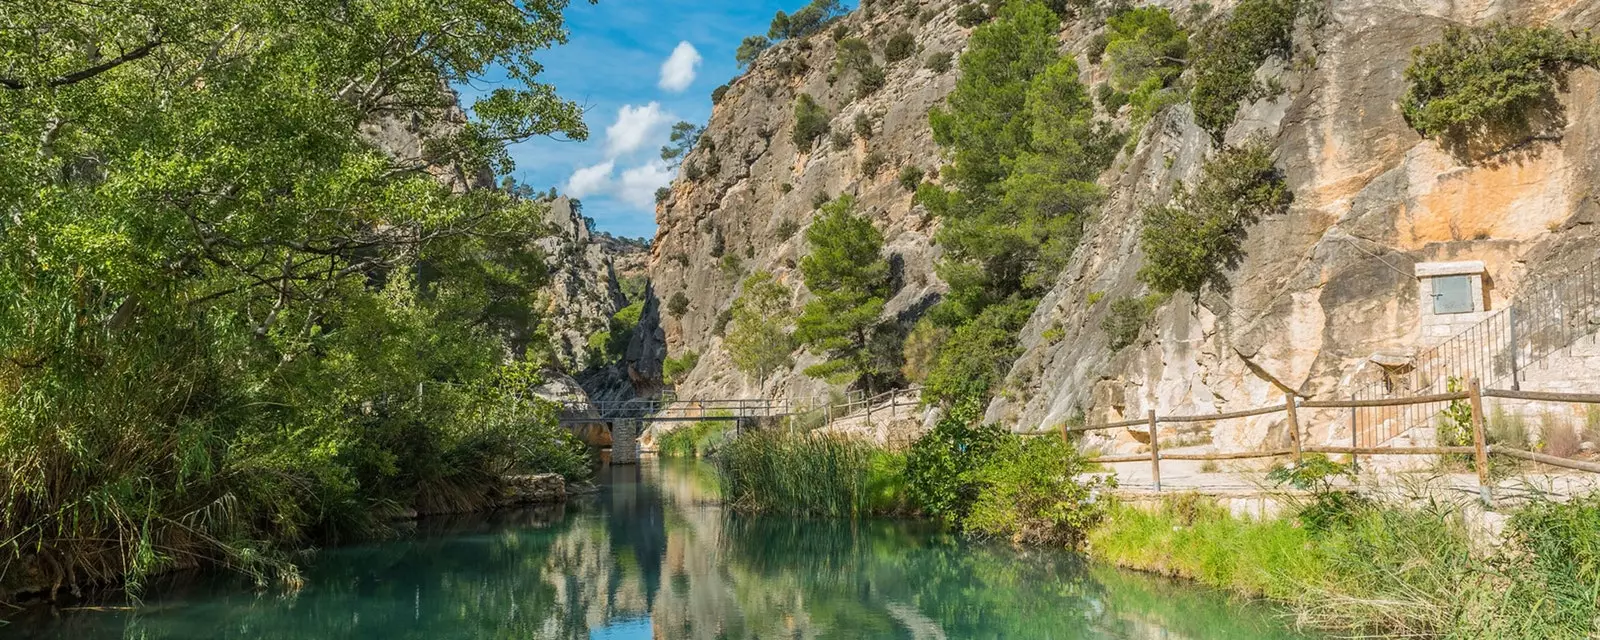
(684, 137)
(220, 300)
(750, 49)
(757, 338)
(808, 20)
(1228, 52)
(1025, 150)
(1489, 82)
(848, 279)
(1189, 244)
(1145, 53)
(810, 121)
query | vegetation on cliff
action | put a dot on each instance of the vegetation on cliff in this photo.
(1493, 85)
(849, 281)
(230, 324)
(1025, 152)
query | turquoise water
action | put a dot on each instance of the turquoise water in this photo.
(654, 556)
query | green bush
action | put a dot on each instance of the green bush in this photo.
(1030, 493)
(901, 46)
(677, 304)
(1143, 45)
(1489, 83)
(941, 465)
(939, 62)
(810, 121)
(873, 163)
(869, 81)
(1228, 53)
(910, 177)
(674, 369)
(693, 440)
(719, 93)
(974, 360)
(864, 125)
(1125, 323)
(1190, 243)
(971, 15)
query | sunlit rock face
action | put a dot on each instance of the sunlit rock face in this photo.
(1322, 290)
(754, 209)
(1332, 283)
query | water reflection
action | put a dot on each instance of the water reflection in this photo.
(653, 556)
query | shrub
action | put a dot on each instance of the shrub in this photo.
(1557, 437)
(971, 15)
(1110, 99)
(873, 163)
(901, 46)
(1097, 47)
(1489, 82)
(718, 94)
(674, 369)
(1127, 319)
(920, 348)
(871, 79)
(1030, 493)
(1229, 52)
(693, 440)
(1144, 45)
(1189, 244)
(787, 229)
(939, 62)
(863, 125)
(731, 265)
(662, 194)
(910, 177)
(1329, 505)
(750, 49)
(839, 140)
(785, 187)
(677, 304)
(810, 121)
(941, 465)
(976, 358)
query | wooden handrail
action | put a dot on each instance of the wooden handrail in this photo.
(1546, 396)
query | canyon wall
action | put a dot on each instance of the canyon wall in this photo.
(1321, 291)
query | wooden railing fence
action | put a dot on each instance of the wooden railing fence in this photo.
(1474, 395)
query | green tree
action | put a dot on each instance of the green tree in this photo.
(685, 135)
(1189, 244)
(750, 49)
(757, 337)
(215, 290)
(1490, 83)
(810, 121)
(1145, 45)
(1229, 51)
(848, 279)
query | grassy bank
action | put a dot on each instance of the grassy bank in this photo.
(1390, 570)
(816, 475)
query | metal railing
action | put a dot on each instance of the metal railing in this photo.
(1545, 317)
(676, 409)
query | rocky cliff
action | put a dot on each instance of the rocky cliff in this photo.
(742, 202)
(1320, 290)
(1326, 286)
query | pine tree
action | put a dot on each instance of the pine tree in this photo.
(757, 337)
(849, 278)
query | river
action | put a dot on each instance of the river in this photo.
(653, 555)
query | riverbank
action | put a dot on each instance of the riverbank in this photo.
(1339, 561)
(657, 554)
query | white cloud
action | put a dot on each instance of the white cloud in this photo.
(638, 185)
(634, 127)
(591, 180)
(677, 73)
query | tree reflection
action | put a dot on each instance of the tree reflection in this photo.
(653, 556)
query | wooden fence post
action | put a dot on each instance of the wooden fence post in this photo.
(1155, 452)
(1480, 441)
(1294, 424)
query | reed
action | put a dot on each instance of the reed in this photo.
(809, 474)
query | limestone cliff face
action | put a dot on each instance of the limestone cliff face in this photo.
(1322, 288)
(749, 210)
(583, 292)
(1330, 283)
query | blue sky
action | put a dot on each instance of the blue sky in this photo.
(614, 61)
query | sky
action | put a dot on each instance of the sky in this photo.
(637, 66)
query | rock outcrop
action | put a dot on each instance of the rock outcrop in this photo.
(1321, 291)
(583, 293)
(1330, 284)
(742, 203)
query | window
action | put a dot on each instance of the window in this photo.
(1453, 294)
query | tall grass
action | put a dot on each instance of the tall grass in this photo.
(697, 439)
(1386, 570)
(810, 475)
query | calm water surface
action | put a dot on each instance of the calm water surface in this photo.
(653, 556)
